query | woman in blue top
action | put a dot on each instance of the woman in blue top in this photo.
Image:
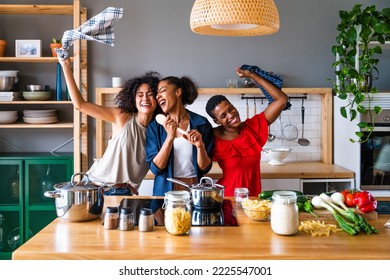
(169, 153)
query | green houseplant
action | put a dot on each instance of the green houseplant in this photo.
(357, 60)
(55, 44)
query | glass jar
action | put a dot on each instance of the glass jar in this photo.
(111, 218)
(146, 220)
(284, 213)
(177, 214)
(241, 194)
(126, 219)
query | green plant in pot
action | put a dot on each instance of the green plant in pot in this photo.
(362, 32)
(55, 44)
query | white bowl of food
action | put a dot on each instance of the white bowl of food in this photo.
(277, 155)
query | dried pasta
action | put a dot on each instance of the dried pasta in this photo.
(255, 209)
(317, 228)
(177, 221)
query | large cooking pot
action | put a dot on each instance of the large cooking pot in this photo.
(204, 195)
(78, 201)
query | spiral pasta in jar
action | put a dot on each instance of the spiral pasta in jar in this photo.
(177, 214)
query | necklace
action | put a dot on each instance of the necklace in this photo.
(182, 117)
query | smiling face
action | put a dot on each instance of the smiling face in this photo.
(168, 96)
(144, 99)
(226, 115)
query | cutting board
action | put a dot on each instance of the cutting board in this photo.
(326, 215)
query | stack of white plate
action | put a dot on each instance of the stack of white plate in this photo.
(8, 116)
(40, 116)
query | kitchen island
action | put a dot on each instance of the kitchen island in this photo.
(249, 240)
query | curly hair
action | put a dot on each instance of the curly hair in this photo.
(189, 88)
(213, 102)
(126, 97)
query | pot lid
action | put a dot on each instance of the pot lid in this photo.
(83, 185)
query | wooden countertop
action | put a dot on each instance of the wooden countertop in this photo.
(250, 240)
(291, 170)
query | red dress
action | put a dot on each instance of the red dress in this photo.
(239, 158)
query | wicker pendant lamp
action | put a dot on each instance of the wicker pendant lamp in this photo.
(234, 17)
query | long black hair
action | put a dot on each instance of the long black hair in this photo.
(126, 97)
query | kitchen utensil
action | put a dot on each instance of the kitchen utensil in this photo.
(78, 201)
(59, 83)
(247, 109)
(271, 137)
(161, 119)
(303, 141)
(36, 95)
(254, 106)
(277, 155)
(37, 88)
(204, 195)
(290, 131)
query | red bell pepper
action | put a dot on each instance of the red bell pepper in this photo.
(365, 202)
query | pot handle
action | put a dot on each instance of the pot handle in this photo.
(207, 178)
(179, 182)
(83, 178)
(52, 194)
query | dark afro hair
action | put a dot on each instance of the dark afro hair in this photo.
(213, 102)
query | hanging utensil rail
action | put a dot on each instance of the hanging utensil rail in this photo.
(303, 97)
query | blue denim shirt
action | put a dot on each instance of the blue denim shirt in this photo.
(155, 137)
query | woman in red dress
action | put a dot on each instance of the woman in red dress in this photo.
(237, 144)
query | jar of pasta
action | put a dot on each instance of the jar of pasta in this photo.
(177, 214)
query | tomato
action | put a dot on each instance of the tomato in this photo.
(345, 192)
(349, 199)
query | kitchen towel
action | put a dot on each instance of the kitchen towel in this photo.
(271, 77)
(99, 28)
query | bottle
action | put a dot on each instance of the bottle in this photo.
(241, 194)
(146, 220)
(2, 232)
(177, 215)
(126, 219)
(284, 213)
(111, 218)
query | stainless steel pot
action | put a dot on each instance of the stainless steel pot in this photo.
(204, 195)
(78, 201)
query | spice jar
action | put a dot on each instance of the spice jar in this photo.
(111, 218)
(177, 215)
(126, 219)
(146, 220)
(240, 194)
(284, 213)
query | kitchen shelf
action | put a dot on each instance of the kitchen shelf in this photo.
(79, 59)
(30, 59)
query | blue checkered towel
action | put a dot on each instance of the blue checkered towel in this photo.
(271, 77)
(99, 28)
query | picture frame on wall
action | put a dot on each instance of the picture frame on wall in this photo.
(28, 48)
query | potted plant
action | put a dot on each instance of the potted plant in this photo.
(55, 44)
(357, 60)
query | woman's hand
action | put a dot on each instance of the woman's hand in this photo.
(194, 137)
(170, 127)
(244, 73)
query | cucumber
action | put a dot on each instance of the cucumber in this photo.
(269, 194)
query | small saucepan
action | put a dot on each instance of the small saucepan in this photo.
(204, 195)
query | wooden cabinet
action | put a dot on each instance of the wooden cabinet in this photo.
(23, 207)
(72, 121)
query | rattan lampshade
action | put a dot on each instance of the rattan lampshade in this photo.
(234, 17)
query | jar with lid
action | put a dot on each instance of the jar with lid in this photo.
(240, 194)
(111, 218)
(126, 219)
(177, 214)
(146, 220)
(284, 213)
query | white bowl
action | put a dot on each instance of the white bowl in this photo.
(39, 113)
(5, 120)
(36, 95)
(41, 120)
(277, 155)
(8, 114)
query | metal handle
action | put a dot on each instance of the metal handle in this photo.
(179, 182)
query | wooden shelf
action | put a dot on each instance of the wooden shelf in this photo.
(24, 102)
(30, 59)
(28, 125)
(36, 9)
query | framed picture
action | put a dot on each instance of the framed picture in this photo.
(28, 48)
